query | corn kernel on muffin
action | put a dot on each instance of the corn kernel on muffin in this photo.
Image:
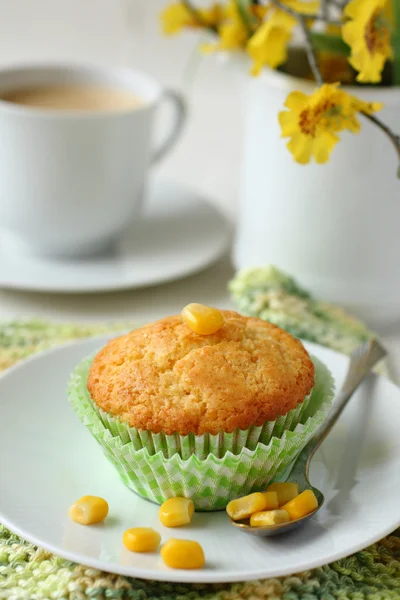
(165, 378)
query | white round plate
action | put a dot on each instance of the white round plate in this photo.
(48, 460)
(180, 234)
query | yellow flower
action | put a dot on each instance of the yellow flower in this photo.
(268, 46)
(305, 8)
(312, 122)
(233, 35)
(259, 11)
(232, 31)
(177, 16)
(365, 107)
(368, 34)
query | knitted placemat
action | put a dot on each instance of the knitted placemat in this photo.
(30, 573)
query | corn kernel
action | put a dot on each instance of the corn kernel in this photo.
(89, 510)
(182, 554)
(286, 491)
(271, 499)
(302, 505)
(141, 539)
(202, 319)
(176, 511)
(246, 506)
(269, 518)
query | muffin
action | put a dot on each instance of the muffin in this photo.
(207, 416)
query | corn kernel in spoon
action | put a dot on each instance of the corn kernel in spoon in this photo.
(285, 491)
(269, 518)
(243, 507)
(304, 504)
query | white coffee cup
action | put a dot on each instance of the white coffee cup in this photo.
(72, 181)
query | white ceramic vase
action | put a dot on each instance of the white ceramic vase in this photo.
(335, 227)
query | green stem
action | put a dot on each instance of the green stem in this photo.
(396, 47)
(302, 21)
(393, 137)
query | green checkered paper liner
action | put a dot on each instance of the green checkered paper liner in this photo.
(211, 470)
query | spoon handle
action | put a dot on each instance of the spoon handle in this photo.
(362, 360)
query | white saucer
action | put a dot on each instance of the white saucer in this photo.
(48, 460)
(181, 233)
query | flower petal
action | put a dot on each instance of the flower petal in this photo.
(289, 123)
(268, 46)
(296, 100)
(304, 8)
(301, 147)
(366, 107)
(369, 69)
(323, 146)
(174, 18)
(368, 36)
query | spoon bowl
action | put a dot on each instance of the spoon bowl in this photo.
(281, 527)
(274, 529)
(362, 360)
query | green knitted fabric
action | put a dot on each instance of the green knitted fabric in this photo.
(30, 573)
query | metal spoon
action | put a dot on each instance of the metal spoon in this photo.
(363, 359)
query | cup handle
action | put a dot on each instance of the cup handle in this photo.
(179, 105)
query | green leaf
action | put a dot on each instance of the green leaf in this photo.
(329, 43)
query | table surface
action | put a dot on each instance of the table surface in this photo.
(207, 158)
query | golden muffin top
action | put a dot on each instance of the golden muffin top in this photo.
(164, 377)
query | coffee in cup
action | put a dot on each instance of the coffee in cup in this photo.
(73, 97)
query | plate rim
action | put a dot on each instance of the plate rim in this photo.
(179, 576)
(225, 238)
